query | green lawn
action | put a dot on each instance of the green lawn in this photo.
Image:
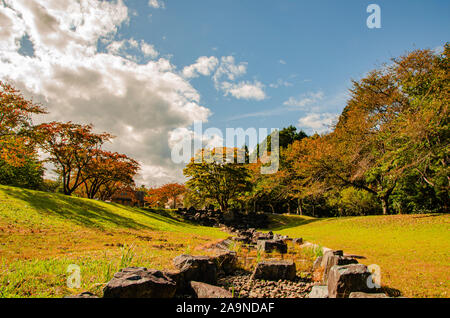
(413, 251)
(41, 234)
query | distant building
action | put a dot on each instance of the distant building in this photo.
(125, 197)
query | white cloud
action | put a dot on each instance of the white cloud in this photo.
(148, 50)
(317, 123)
(244, 90)
(230, 69)
(280, 82)
(157, 4)
(139, 103)
(305, 99)
(282, 62)
(203, 66)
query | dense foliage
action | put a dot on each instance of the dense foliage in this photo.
(388, 151)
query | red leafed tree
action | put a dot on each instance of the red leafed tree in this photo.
(158, 197)
(16, 127)
(108, 168)
(71, 147)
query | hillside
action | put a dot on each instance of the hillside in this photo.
(41, 234)
(413, 251)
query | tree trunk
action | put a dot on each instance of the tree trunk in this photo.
(385, 205)
(273, 209)
(299, 207)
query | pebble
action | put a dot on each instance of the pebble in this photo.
(242, 286)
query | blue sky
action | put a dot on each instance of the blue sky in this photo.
(314, 46)
(146, 70)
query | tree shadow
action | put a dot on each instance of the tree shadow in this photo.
(159, 215)
(83, 212)
(282, 222)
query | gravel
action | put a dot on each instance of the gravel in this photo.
(242, 286)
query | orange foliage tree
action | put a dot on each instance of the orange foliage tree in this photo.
(16, 127)
(159, 197)
(72, 148)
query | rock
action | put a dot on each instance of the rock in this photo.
(196, 268)
(226, 261)
(317, 263)
(367, 295)
(178, 278)
(298, 241)
(319, 292)
(331, 258)
(139, 282)
(202, 290)
(343, 280)
(269, 246)
(275, 270)
(83, 295)
(243, 240)
(354, 256)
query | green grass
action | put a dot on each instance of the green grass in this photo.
(413, 251)
(41, 234)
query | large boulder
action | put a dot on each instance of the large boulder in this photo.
(196, 268)
(332, 258)
(202, 290)
(275, 270)
(269, 246)
(139, 282)
(319, 292)
(226, 262)
(343, 280)
(261, 236)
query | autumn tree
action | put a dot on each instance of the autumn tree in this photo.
(217, 179)
(105, 168)
(159, 197)
(16, 126)
(71, 148)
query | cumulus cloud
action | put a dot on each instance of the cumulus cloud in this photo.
(317, 123)
(305, 99)
(245, 90)
(157, 4)
(229, 69)
(140, 103)
(203, 66)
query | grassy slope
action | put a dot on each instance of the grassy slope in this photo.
(413, 251)
(41, 234)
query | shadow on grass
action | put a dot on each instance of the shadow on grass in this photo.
(84, 212)
(160, 215)
(282, 222)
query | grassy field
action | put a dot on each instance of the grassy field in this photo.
(413, 251)
(41, 234)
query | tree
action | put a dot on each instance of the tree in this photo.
(221, 182)
(28, 175)
(108, 167)
(16, 128)
(71, 148)
(159, 197)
